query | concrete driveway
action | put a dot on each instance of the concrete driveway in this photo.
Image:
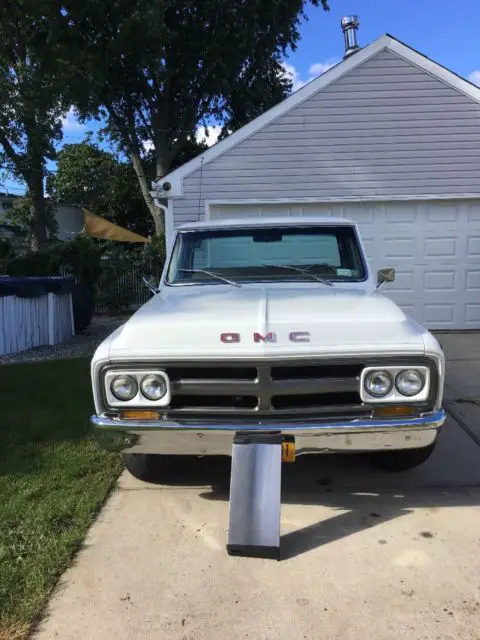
(366, 554)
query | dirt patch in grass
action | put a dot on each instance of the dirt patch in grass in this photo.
(53, 480)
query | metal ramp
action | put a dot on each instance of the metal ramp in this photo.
(255, 495)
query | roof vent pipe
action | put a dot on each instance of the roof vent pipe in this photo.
(350, 25)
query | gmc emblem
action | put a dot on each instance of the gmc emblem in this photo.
(270, 337)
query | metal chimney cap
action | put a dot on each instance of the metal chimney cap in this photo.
(349, 22)
(350, 25)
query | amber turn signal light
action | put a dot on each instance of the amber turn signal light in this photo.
(140, 415)
(395, 411)
(288, 451)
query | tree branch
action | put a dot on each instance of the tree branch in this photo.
(10, 151)
(131, 143)
(122, 130)
(195, 115)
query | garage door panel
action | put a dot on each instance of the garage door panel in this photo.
(473, 315)
(402, 214)
(473, 213)
(473, 247)
(433, 246)
(399, 247)
(437, 280)
(440, 247)
(472, 279)
(444, 212)
(439, 313)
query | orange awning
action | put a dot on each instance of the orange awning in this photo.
(98, 227)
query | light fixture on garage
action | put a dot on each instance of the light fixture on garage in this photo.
(350, 25)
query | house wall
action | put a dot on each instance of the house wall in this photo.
(384, 129)
(70, 221)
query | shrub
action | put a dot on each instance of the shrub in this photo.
(7, 253)
(79, 259)
(154, 257)
(33, 263)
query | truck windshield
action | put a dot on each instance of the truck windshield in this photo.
(252, 254)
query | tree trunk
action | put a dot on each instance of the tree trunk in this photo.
(156, 213)
(39, 223)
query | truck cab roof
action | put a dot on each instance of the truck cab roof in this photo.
(267, 221)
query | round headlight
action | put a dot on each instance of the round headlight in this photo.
(124, 388)
(153, 387)
(409, 382)
(378, 383)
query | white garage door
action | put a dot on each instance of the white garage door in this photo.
(434, 247)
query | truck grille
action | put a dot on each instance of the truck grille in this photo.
(265, 389)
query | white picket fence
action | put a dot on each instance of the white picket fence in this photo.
(32, 322)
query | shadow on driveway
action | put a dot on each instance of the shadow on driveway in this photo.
(362, 495)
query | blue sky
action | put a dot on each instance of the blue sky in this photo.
(443, 30)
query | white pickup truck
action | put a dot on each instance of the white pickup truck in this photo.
(270, 325)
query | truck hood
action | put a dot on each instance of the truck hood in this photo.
(187, 322)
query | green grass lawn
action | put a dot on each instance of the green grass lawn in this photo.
(53, 479)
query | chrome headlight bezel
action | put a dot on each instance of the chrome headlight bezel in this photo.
(394, 395)
(139, 400)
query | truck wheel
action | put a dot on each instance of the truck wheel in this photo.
(403, 459)
(143, 466)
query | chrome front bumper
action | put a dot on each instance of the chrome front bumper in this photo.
(193, 437)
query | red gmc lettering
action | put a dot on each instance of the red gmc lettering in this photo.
(293, 336)
(300, 336)
(269, 337)
(230, 337)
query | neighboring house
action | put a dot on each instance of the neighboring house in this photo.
(69, 217)
(70, 220)
(387, 138)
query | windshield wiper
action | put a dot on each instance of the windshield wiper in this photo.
(291, 267)
(212, 274)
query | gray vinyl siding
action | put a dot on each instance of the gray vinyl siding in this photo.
(387, 128)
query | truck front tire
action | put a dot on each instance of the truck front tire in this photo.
(402, 460)
(142, 466)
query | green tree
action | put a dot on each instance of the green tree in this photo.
(32, 83)
(155, 70)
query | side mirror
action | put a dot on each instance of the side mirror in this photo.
(150, 285)
(385, 275)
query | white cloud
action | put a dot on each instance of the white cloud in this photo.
(314, 70)
(148, 145)
(317, 68)
(475, 77)
(213, 133)
(293, 75)
(70, 122)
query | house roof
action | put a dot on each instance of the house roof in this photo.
(267, 221)
(385, 42)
